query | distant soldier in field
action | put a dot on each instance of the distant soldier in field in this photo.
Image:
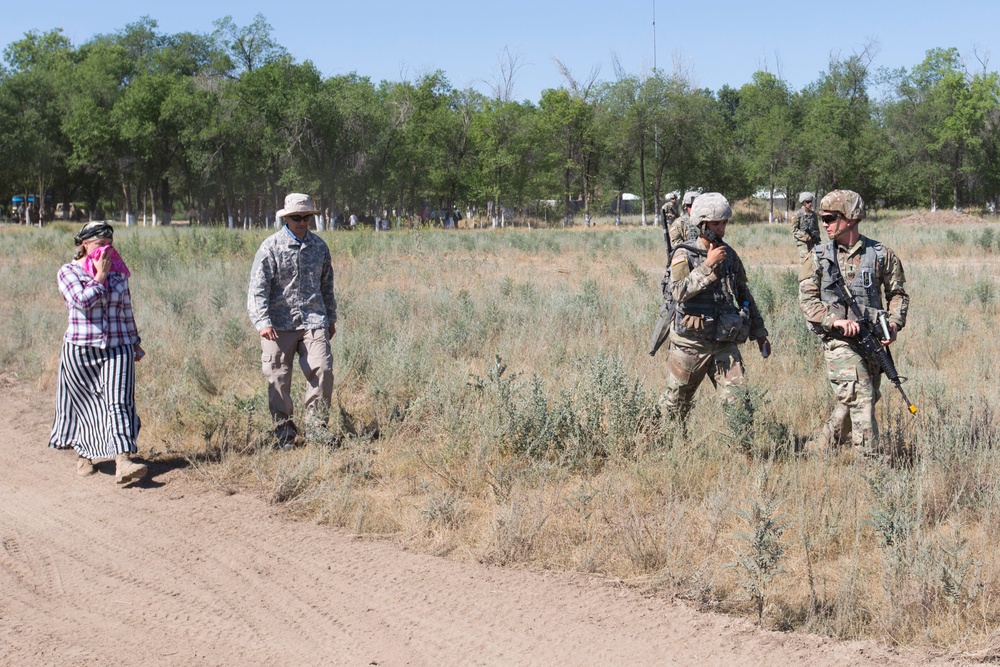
(681, 230)
(874, 276)
(292, 305)
(715, 311)
(668, 211)
(805, 227)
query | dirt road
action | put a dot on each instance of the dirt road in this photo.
(170, 573)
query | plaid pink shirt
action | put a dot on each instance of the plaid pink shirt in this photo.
(99, 315)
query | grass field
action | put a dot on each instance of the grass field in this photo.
(496, 403)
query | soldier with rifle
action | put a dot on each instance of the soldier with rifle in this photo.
(681, 230)
(674, 233)
(714, 311)
(851, 291)
(668, 212)
(805, 228)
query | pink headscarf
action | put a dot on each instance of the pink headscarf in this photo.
(117, 263)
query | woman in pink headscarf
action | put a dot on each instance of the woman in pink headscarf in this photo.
(95, 405)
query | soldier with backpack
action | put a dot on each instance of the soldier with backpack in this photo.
(714, 311)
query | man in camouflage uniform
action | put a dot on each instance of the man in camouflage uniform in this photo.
(292, 305)
(668, 212)
(872, 271)
(715, 311)
(805, 227)
(681, 230)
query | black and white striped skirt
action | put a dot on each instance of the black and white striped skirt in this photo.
(95, 403)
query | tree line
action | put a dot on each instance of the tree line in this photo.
(218, 126)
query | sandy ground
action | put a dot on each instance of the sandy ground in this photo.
(171, 573)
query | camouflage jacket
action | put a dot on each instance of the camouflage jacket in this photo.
(668, 213)
(291, 284)
(805, 227)
(722, 287)
(682, 231)
(819, 307)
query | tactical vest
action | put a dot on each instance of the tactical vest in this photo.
(809, 223)
(865, 283)
(713, 303)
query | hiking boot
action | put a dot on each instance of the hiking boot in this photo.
(127, 470)
(84, 466)
(817, 446)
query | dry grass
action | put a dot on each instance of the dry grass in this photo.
(496, 403)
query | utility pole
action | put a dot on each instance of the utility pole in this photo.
(654, 36)
(656, 130)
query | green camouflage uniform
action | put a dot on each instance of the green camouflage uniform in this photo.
(805, 231)
(871, 271)
(702, 342)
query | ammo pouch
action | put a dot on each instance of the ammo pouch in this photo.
(728, 326)
(732, 327)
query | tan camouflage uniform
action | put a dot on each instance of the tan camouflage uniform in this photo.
(855, 381)
(291, 290)
(668, 211)
(682, 231)
(704, 297)
(805, 230)
(805, 227)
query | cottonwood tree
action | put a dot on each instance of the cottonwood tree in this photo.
(501, 134)
(620, 131)
(35, 147)
(837, 123)
(568, 115)
(768, 128)
(940, 120)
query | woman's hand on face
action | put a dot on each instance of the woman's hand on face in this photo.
(102, 265)
(102, 268)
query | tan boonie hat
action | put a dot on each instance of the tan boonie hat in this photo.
(847, 202)
(710, 207)
(298, 203)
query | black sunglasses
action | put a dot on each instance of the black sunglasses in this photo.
(831, 217)
(299, 218)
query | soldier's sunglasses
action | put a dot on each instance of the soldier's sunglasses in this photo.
(299, 218)
(831, 217)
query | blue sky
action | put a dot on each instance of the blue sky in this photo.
(716, 41)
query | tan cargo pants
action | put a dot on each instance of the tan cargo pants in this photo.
(689, 362)
(856, 387)
(316, 362)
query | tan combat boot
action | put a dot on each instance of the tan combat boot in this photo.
(127, 470)
(84, 466)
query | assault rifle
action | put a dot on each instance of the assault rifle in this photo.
(662, 328)
(871, 347)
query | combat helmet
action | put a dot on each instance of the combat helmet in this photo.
(709, 207)
(847, 202)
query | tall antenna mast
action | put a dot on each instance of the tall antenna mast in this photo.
(654, 35)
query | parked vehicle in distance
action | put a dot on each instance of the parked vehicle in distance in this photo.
(73, 212)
